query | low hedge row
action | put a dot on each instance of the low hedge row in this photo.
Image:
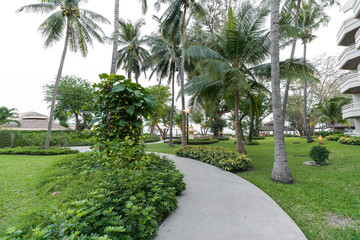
(198, 141)
(138, 191)
(222, 138)
(334, 137)
(36, 151)
(350, 140)
(258, 138)
(151, 139)
(217, 156)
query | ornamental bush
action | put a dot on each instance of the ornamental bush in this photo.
(334, 137)
(137, 192)
(119, 105)
(350, 140)
(319, 154)
(222, 138)
(199, 141)
(217, 156)
(36, 151)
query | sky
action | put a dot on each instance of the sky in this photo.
(26, 66)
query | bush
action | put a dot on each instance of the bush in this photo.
(334, 137)
(222, 138)
(350, 140)
(151, 139)
(326, 133)
(36, 151)
(217, 156)
(252, 143)
(259, 138)
(319, 154)
(137, 192)
(199, 141)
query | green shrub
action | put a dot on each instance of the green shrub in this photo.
(319, 154)
(199, 141)
(326, 133)
(259, 138)
(334, 137)
(137, 192)
(151, 139)
(217, 156)
(222, 138)
(252, 143)
(350, 140)
(36, 151)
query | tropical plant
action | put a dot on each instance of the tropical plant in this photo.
(132, 56)
(319, 154)
(7, 115)
(80, 27)
(331, 110)
(74, 99)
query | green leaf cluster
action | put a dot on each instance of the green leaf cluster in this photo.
(119, 106)
(319, 154)
(217, 156)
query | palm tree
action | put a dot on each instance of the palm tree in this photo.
(116, 32)
(80, 28)
(175, 16)
(331, 110)
(312, 16)
(281, 171)
(132, 56)
(7, 115)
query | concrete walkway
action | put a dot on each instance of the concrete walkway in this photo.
(218, 205)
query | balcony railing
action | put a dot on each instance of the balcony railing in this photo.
(349, 82)
(351, 110)
(356, 9)
(345, 36)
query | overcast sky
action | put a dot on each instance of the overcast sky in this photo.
(26, 66)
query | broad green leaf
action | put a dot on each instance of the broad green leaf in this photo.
(130, 109)
(118, 88)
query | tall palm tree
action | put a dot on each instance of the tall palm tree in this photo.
(116, 32)
(132, 56)
(164, 60)
(331, 110)
(80, 27)
(7, 115)
(312, 16)
(281, 171)
(178, 14)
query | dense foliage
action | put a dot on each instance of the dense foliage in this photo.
(119, 105)
(349, 140)
(64, 138)
(36, 151)
(199, 141)
(334, 137)
(222, 138)
(319, 154)
(217, 156)
(137, 191)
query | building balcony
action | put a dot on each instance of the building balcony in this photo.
(346, 34)
(351, 110)
(357, 39)
(356, 9)
(349, 58)
(350, 83)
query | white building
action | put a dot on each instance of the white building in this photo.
(349, 37)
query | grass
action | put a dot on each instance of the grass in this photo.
(323, 201)
(27, 184)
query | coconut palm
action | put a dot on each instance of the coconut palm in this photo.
(80, 27)
(281, 171)
(178, 14)
(7, 115)
(331, 111)
(132, 56)
(116, 32)
(312, 16)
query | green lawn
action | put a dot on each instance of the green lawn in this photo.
(323, 201)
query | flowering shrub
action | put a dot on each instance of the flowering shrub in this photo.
(217, 156)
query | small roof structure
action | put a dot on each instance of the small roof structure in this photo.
(339, 126)
(32, 121)
(269, 127)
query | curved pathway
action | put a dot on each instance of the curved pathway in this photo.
(219, 205)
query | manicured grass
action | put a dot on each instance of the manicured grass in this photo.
(323, 201)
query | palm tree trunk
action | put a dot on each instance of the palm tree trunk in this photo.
(306, 128)
(115, 40)
(292, 55)
(182, 79)
(171, 143)
(239, 139)
(281, 171)
(57, 82)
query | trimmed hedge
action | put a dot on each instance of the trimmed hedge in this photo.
(252, 143)
(217, 156)
(350, 140)
(36, 151)
(151, 139)
(63, 138)
(198, 141)
(259, 138)
(334, 137)
(222, 138)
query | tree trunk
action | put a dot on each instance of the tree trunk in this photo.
(333, 127)
(182, 79)
(239, 139)
(152, 128)
(48, 135)
(281, 171)
(292, 55)
(306, 128)
(77, 122)
(171, 143)
(115, 40)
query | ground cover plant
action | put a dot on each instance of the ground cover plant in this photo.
(36, 151)
(324, 202)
